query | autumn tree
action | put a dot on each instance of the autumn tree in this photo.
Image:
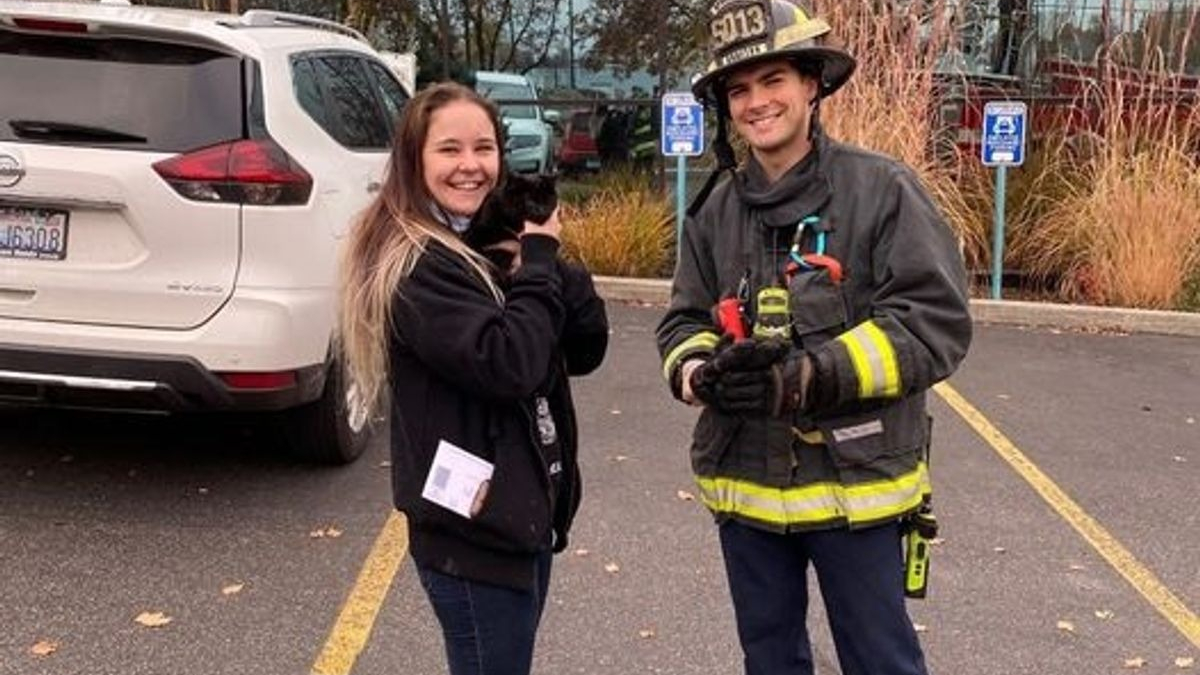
(665, 37)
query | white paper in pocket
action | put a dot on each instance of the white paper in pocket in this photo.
(455, 478)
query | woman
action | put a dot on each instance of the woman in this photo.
(474, 360)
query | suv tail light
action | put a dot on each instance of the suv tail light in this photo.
(255, 172)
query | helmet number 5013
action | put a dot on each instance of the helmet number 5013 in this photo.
(738, 24)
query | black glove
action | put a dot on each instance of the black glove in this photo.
(792, 385)
(739, 378)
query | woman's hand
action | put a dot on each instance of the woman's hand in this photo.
(551, 228)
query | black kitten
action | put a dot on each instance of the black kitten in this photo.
(518, 199)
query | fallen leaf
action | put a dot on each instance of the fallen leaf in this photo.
(612, 568)
(686, 496)
(1136, 662)
(1066, 626)
(646, 633)
(46, 648)
(153, 619)
(1146, 408)
(232, 589)
(920, 627)
(581, 552)
(1104, 614)
(1184, 662)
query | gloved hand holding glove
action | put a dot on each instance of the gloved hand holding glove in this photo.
(739, 377)
(792, 381)
(755, 376)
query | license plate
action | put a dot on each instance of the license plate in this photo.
(37, 234)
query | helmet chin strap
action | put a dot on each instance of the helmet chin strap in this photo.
(814, 120)
(726, 160)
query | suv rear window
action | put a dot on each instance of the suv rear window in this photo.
(117, 93)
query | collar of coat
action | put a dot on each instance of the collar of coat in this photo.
(801, 191)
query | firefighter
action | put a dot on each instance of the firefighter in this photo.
(847, 300)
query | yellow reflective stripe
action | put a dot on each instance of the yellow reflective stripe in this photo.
(862, 364)
(874, 360)
(819, 502)
(703, 341)
(891, 366)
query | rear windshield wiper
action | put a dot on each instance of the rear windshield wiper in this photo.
(71, 132)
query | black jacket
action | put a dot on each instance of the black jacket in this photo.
(898, 322)
(487, 377)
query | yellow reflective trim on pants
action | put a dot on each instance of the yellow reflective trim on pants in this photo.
(704, 341)
(887, 354)
(816, 503)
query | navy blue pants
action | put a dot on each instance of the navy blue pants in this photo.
(488, 630)
(861, 577)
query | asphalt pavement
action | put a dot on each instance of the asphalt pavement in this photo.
(1067, 504)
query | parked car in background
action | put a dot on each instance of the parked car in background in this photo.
(174, 186)
(529, 133)
(578, 151)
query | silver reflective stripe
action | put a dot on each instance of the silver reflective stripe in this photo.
(78, 382)
(862, 336)
(816, 503)
(858, 431)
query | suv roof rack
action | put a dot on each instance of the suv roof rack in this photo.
(258, 18)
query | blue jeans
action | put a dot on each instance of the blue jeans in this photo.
(488, 630)
(861, 575)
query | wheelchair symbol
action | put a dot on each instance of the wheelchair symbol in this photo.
(681, 117)
(1006, 125)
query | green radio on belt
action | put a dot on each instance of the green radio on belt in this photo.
(922, 528)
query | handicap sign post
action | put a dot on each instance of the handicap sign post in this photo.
(682, 137)
(1003, 145)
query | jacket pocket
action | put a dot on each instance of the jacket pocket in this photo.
(816, 306)
(711, 440)
(875, 439)
(515, 512)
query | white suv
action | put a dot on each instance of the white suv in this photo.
(174, 186)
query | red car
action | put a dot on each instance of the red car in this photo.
(578, 151)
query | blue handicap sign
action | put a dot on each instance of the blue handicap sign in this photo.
(1004, 129)
(682, 125)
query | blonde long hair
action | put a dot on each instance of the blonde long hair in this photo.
(389, 238)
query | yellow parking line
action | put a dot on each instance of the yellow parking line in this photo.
(1137, 574)
(353, 627)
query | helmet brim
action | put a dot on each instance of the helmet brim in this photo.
(836, 68)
